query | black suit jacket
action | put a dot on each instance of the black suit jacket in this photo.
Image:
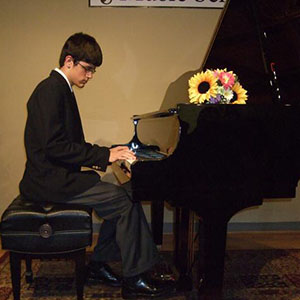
(55, 145)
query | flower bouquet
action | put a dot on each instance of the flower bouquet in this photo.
(216, 87)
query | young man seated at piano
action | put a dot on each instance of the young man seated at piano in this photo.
(56, 152)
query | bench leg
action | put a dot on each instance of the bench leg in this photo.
(15, 271)
(28, 273)
(80, 273)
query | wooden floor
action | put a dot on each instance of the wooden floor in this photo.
(253, 240)
(244, 240)
(263, 240)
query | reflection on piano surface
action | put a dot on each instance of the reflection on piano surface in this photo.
(219, 159)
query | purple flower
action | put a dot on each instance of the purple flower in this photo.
(216, 100)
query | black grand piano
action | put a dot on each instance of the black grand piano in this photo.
(215, 160)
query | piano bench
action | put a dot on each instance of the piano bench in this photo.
(32, 230)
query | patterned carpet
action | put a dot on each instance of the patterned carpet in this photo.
(251, 274)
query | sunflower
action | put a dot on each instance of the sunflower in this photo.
(202, 86)
(240, 94)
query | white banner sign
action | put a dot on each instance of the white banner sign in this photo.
(161, 3)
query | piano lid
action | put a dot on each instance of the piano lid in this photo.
(260, 41)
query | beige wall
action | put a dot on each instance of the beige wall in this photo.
(145, 50)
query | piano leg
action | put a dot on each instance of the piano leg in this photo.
(157, 221)
(184, 247)
(212, 246)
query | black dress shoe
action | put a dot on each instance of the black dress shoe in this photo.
(98, 272)
(143, 286)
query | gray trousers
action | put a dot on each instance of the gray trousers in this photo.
(124, 233)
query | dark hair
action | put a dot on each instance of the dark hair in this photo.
(81, 47)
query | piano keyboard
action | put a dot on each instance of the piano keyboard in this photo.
(122, 168)
(148, 154)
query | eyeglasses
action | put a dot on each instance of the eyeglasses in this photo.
(88, 69)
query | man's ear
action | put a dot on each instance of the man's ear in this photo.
(69, 61)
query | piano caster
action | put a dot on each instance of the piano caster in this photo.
(184, 283)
